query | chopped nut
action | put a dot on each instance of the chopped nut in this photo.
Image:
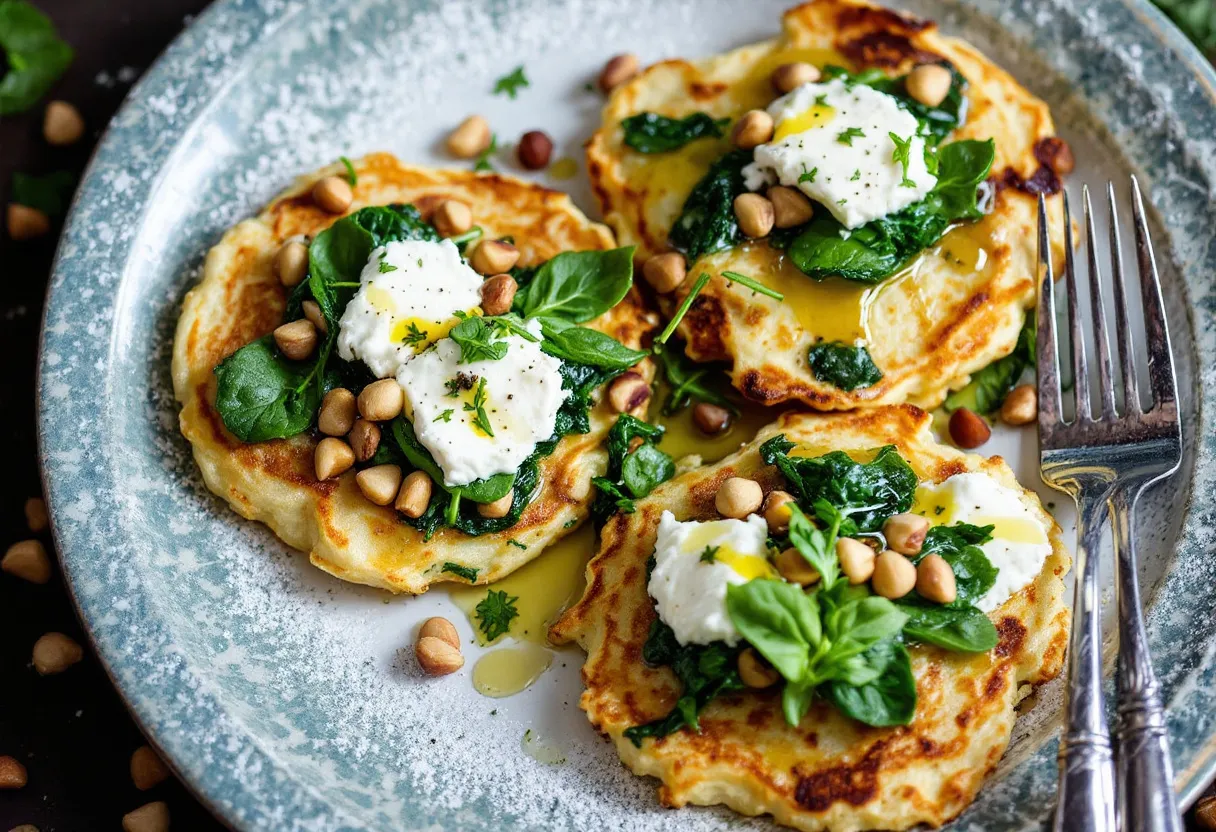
(905, 533)
(790, 206)
(470, 138)
(754, 671)
(856, 560)
(795, 568)
(55, 653)
(28, 560)
(1021, 406)
(147, 768)
(36, 517)
(12, 773)
(379, 483)
(494, 257)
(894, 575)
(452, 217)
(711, 418)
(151, 817)
(665, 272)
(332, 194)
(618, 70)
(62, 125)
(935, 580)
(364, 439)
(437, 657)
(777, 510)
(968, 429)
(291, 263)
(440, 628)
(929, 84)
(314, 315)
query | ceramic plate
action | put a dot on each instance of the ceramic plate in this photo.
(290, 701)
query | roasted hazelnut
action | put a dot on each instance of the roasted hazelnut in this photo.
(55, 653)
(754, 671)
(497, 294)
(711, 419)
(470, 138)
(738, 497)
(151, 817)
(777, 510)
(628, 392)
(452, 217)
(856, 560)
(36, 517)
(791, 76)
(494, 257)
(27, 560)
(795, 568)
(935, 580)
(754, 128)
(929, 84)
(379, 483)
(968, 429)
(337, 414)
(332, 458)
(414, 495)
(147, 768)
(364, 438)
(790, 206)
(313, 314)
(26, 223)
(291, 263)
(332, 194)
(1021, 406)
(62, 125)
(755, 215)
(617, 71)
(381, 400)
(894, 575)
(905, 533)
(12, 773)
(534, 150)
(297, 339)
(665, 272)
(436, 657)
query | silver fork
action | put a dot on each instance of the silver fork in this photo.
(1105, 462)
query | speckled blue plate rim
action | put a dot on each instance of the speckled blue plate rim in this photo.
(247, 787)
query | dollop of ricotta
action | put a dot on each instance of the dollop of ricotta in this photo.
(1019, 542)
(834, 143)
(520, 395)
(689, 587)
(409, 295)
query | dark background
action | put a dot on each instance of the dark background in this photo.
(71, 731)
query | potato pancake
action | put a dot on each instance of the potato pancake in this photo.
(240, 299)
(829, 772)
(944, 314)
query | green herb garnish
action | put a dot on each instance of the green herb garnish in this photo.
(466, 572)
(710, 555)
(445, 416)
(511, 84)
(36, 57)
(846, 136)
(517, 544)
(351, 176)
(903, 155)
(483, 158)
(754, 285)
(478, 408)
(681, 311)
(494, 614)
(414, 335)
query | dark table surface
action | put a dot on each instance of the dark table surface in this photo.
(72, 731)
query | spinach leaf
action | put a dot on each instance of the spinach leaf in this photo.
(618, 488)
(36, 56)
(846, 366)
(261, 395)
(654, 133)
(645, 469)
(577, 285)
(890, 699)
(959, 546)
(479, 491)
(690, 380)
(50, 194)
(466, 572)
(707, 221)
(705, 671)
(988, 388)
(964, 629)
(867, 493)
(873, 252)
(586, 346)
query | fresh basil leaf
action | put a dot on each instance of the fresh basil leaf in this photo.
(577, 285)
(796, 698)
(689, 380)
(479, 491)
(964, 629)
(654, 133)
(866, 493)
(986, 391)
(890, 699)
(261, 395)
(876, 250)
(846, 366)
(704, 670)
(36, 56)
(707, 221)
(815, 545)
(645, 469)
(586, 346)
(50, 194)
(857, 625)
(779, 620)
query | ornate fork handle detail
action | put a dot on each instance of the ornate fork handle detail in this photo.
(1146, 802)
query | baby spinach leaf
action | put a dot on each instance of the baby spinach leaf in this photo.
(586, 346)
(847, 366)
(890, 699)
(705, 671)
(36, 56)
(707, 221)
(261, 395)
(689, 380)
(988, 388)
(50, 194)
(645, 469)
(654, 133)
(876, 250)
(577, 285)
(867, 493)
(964, 629)
(959, 546)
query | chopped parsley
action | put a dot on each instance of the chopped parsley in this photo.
(903, 155)
(495, 612)
(517, 544)
(478, 408)
(570, 524)
(445, 416)
(856, 175)
(808, 176)
(513, 83)
(466, 572)
(821, 100)
(351, 176)
(483, 158)
(847, 136)
(385, 267)
(414, 335)
(710, 555)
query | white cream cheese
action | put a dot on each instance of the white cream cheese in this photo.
(834, 143)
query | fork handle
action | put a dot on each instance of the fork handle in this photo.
(1086, 792)
(1145, 772)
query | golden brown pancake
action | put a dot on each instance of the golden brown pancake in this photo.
(240, 299)
(953, 310)
(830, 772)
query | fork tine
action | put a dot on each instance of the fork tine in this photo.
(1080, 369)
(1157, 334)
(1047, 359)
(1131, 387)
(1106, 388)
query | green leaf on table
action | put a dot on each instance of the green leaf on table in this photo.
(511, 83)
(50, 194)
(654, 133)
(36, 56)
(495, 613)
